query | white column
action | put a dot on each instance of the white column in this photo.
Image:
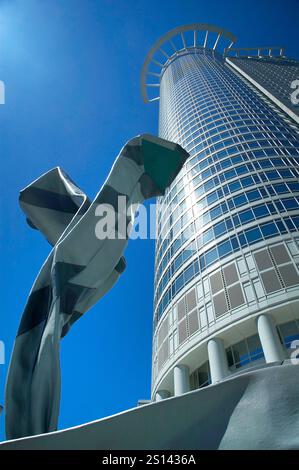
(217, 360)
(162, 394)
(269, 338)
(181, 379)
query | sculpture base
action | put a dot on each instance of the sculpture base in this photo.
(254, 410)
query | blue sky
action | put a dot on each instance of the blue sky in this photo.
(72, 71)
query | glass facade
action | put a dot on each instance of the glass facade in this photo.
(238, 145)
(274, 74)
(228, 227)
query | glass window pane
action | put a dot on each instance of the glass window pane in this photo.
(253, 195)
(224, 249)
(269, 230)
(211, 256)
(246, 216)
(260, 211)
(253, 235)
(240, 200)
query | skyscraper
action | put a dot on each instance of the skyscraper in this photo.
(227, 249)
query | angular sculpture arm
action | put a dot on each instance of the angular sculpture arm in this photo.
(80, 269)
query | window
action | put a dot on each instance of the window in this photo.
(219, 229)
(253, 195)
(212, 198)
(255, 348)
(235, 186)
(224, 249)
(260, 211)
(294, 187)
(281, 226)
(240, 200)
(290, 203)
(265, 164)
(179, 283)
(240, 354)
(247, 181)
(253, 235)
(245, 353)
(241, 170)
(189, 273)
(201, 377)
(216, 212)
(208, 236)
(286, 174)
(211, 256)
(246, 216)
(281, 188)
(272, 175)
(269, 230)
(289, 332)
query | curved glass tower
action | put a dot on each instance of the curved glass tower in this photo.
(227, 248)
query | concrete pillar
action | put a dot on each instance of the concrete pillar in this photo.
(217, 360)
(162, 394)
(269, 338)
(181, 379)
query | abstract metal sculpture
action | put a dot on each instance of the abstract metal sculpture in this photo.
(80, 269)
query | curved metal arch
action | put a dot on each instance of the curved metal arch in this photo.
(179, 30)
